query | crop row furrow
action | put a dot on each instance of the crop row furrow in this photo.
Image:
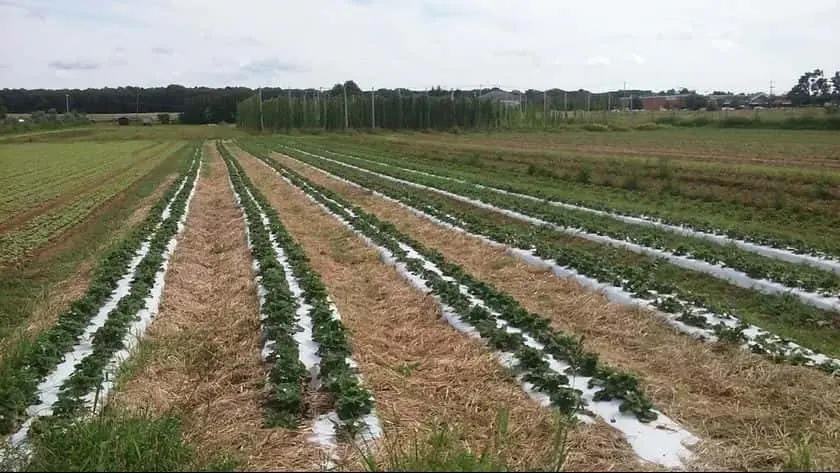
(777, 243)
(66, 368)
(311, 325)
(530, 212)
(695, 315)
(553, 367)
(770, 249)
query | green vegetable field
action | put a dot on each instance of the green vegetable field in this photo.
(190, 298)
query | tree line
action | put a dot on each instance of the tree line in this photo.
(196, 104)
(814, 88)
(347, 106)
(213, 105)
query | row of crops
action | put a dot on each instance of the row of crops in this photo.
(780, 324)
(768, 206)
(304, 342)
(36, 173)
(70, 199)
(771, 300)
(70, 368)
(553, 367)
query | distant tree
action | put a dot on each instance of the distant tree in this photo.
(835, 83)
(163, 118)
(2, 112)
(438, 92)
(637, 103)
(696, 101)
(671, 92)
(812, 88)
(821, 87)
(352, 88)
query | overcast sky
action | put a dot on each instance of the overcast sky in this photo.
(739, 45)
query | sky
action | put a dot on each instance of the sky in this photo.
(598, 45)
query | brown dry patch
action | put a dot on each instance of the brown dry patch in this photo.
(749, 410)
(58, 297)
(393, 326)
(204, 348)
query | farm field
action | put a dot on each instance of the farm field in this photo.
(639, 301)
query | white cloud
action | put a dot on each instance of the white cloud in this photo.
(416, 43)
(597, 61)
(724, 45)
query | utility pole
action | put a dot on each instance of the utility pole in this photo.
(428, 110)
(372, 109)
(452, 107)
(545, 108)
(324, 116)
(346, 118)
(400, 109)
(478, 110)
(291, 110)
(565, 105)
(67, 103)
(137, 111)
(624, 94)
(305, 110)
(262, 122)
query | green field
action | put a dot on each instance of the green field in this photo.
(773, 184)
(459, 300)
(49, 188)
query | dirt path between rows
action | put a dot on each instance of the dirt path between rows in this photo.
(201, 357)
(420, 369)
(749, 410)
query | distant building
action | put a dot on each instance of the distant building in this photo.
(759, 100)
(511, 99)
(663, 102)
(722, 100)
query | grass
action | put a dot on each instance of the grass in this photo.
(801, 455)
(116, 441)
(441, 448)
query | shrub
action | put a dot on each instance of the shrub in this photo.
(631, 182)
(584, 175)
(596, 127)
(649, 126)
